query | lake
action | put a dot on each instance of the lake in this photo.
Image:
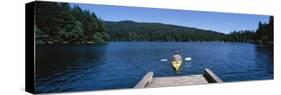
(123, 64)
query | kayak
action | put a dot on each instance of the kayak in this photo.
(176, 65)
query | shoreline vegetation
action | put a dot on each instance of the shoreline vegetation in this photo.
(61, 23)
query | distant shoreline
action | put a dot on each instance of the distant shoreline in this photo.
(92, 43)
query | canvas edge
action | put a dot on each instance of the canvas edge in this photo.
(29, 48)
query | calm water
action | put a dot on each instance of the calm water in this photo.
(122, 64)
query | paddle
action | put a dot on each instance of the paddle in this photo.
(186, 59)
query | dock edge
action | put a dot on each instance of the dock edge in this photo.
(211, 77)
(145, 80)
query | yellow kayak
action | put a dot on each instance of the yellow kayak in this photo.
(176, 65)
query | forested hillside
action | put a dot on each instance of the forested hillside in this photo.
(134, 31)
(61, 23)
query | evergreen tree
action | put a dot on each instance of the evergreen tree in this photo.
(63, 24)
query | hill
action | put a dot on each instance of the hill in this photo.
(138, 31)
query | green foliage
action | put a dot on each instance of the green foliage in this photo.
(59, 23)
(264, 33)
(98, 37)
(133, 31)
(240, 36)
(71, 32)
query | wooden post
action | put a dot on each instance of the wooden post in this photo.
(145, 80)
(211, 77)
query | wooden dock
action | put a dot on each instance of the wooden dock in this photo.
(149, 81)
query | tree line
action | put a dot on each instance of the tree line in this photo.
(263, 35)
(61, 23)
(135, 31)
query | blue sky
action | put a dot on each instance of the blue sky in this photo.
(220, 22)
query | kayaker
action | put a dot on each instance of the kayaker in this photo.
(177, 56)
(177, 61)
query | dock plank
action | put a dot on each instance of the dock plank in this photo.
(207, 77)
(177, 81)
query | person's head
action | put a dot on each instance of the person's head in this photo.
(176, 52)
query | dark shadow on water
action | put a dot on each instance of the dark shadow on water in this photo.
(57, 64)
(61, 57)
